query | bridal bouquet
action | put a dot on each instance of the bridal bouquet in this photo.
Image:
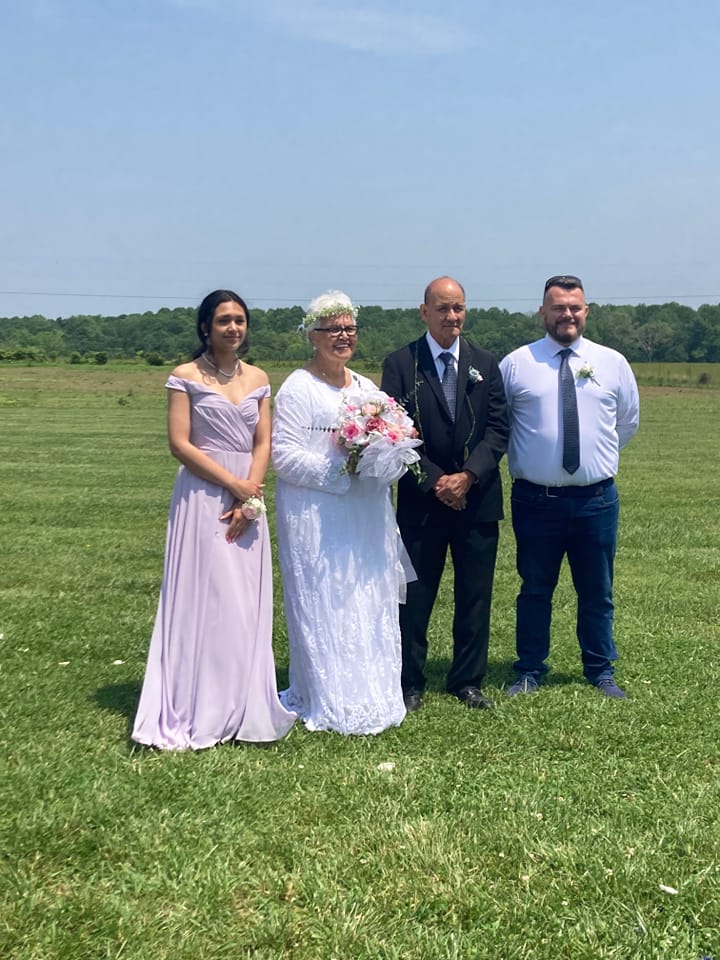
(379, 436)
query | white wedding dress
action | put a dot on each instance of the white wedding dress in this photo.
(344, 569)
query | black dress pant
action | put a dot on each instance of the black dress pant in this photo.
(473, 547)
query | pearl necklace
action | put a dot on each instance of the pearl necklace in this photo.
(217, 369)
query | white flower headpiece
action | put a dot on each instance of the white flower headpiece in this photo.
(331, 304)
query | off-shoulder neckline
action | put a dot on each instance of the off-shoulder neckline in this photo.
(216, 393)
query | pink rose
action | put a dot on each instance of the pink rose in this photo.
(375, 425)
(350, 431)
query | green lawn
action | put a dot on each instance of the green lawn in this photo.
(557, 827)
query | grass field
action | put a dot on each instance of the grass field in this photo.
(556, 827)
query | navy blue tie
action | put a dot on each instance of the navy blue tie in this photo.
(570, 422)
(449, 381)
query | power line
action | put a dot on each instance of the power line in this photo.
(495, 301)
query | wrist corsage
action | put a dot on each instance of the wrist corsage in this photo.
(253, 508)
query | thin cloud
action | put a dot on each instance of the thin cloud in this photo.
(217, 5)
(372, 30)
(347, 23)
(45, 12)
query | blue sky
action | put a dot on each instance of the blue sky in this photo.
(156, 149)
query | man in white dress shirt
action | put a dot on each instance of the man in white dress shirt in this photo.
(567, 428)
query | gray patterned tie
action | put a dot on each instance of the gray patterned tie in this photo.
(449, 381)
(570, 423)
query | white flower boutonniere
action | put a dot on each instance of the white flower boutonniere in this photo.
(474, 376)
(586, 372)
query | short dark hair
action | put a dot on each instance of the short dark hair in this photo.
(565, 280)
(206, 312)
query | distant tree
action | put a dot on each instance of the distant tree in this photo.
(703, 342)
(84, 334)
(653, 337)
(666, 332)
(614, 327)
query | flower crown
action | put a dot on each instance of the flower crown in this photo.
(331, 310)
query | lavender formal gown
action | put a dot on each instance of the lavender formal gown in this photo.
(210, 673)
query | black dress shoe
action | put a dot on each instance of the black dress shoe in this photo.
(413, 700)
(474, 698)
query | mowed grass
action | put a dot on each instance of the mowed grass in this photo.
(556, 826)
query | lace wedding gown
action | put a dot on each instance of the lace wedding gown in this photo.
(343, 566)
(210, 673)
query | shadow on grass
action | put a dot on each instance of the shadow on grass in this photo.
(120, 698)
(500, 674)
(436, 672)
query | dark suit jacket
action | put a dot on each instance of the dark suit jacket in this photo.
(476, 440)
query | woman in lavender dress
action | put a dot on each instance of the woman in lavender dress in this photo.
(210, 674)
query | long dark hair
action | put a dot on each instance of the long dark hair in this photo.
(206, 312)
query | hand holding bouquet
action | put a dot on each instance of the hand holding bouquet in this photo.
(378, 434)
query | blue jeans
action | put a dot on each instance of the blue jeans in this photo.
(584, 528)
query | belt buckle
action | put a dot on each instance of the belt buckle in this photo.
(552, 496)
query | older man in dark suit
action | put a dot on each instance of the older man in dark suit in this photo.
(453, 390)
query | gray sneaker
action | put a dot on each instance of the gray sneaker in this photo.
(608, 687)
(525, 683)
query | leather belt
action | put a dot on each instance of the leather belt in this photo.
(590, 490)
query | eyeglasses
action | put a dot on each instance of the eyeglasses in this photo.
(565, 280)
(336, 332)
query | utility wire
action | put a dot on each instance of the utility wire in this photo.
(665, 298)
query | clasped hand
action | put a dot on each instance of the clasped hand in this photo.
(237, 523)
(452, 488)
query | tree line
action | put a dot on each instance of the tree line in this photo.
(669, 332)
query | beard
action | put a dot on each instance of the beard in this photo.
(565, 333)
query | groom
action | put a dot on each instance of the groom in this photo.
(454, 392)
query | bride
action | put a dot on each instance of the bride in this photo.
(340, 551)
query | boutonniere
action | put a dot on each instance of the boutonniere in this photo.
(474, 376)
(586, 372)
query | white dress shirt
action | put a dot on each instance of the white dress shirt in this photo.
(608, 411)
(436, 350)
